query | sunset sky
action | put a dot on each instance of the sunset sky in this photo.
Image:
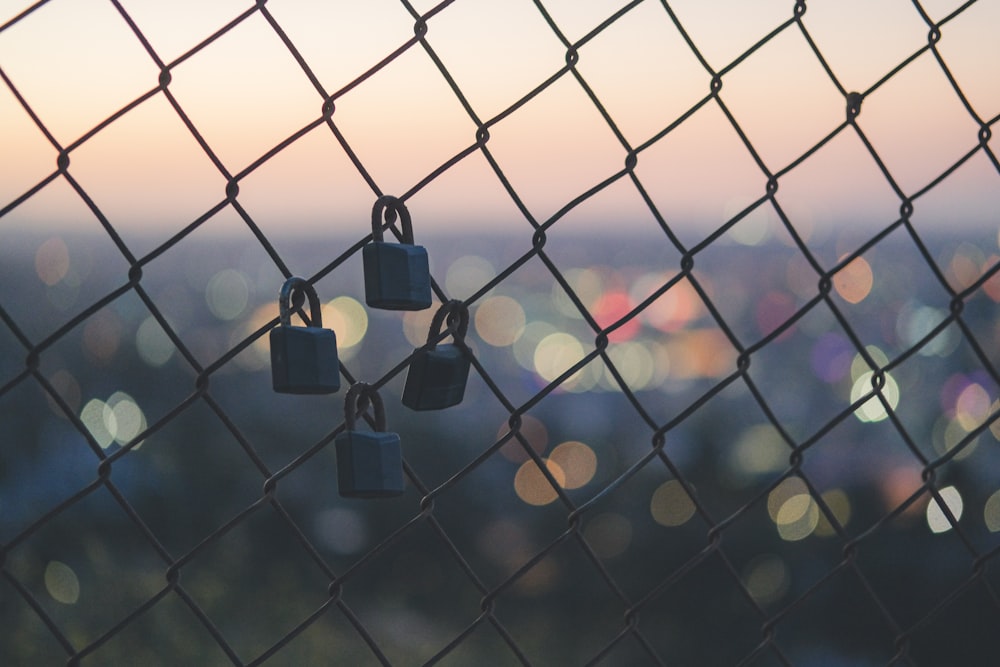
(77, 62)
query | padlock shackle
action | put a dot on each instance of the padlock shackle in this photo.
(359, 397)
(391, 206)
(450, 311)
(285, 302)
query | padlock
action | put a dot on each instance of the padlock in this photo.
(438, 374)
(303, 359)
(369, 463)
(397, 275)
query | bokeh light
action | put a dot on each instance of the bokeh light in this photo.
(610, 307)
(995, 424)
(797, 518)
(671, 505)
(916, 321)
(873, 410)
(126, 419)
(343, 531)
(152, 343)
(700, 353)
(793, 510)
(577, 461)
(972, 406)
(228, 294)
(467, 274)
(52, 261)
(673, 309)
(754, 229)
(991, 512)
(767, 579)
(117, 420)
(965, 266)
(758, 450)
(499, 321)
(937, 521)
(258, 355)
(92, 416)
(992, 285)
(897, 486)
(61, 582)
(531, 485)
(348, 319)
(555, 354)
(854, 282)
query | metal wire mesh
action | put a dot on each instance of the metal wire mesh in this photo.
(212, 534)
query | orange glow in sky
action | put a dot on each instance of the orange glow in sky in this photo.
(76, 63)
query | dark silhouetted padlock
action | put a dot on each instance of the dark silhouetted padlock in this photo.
(303, 359)
(438, 373)
(369, 463)
(397, 275)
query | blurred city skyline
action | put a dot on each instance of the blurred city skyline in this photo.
(122, 385)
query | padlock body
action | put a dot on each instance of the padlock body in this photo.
(397, 276)
(436, 378)
(369, 464)
(304, 360)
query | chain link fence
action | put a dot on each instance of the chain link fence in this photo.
(746, 441)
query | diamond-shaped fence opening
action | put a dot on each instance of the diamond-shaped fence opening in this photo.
(731, 281)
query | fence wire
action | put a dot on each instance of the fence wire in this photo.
(172, 579)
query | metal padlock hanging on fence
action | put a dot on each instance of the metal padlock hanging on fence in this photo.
(369, 463)
(438, 374)
(303, 359)
(397, 275)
